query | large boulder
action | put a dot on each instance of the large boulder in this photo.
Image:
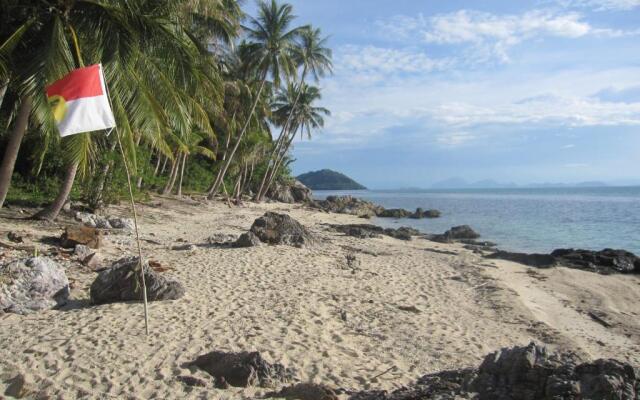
(85, 235)
(274, 228)
(420, 213)
(604, 261)
(394, 213)
(242, 369)
(532, 260)
(290, 192)
(349, 205)
(247, 239)
(32, 284)
(122, 282)
(457, 233)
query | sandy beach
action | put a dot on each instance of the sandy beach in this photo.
(403, 310)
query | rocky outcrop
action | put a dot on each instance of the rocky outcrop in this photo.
(394, 213)
(247, 239)
(349, 205)
(84, 235)
(122, 282)
(364, 231)
(607, 261)
(305, 391)
(274, 228)
(32, 284)
(420, 213)
(527, 373)
(294, 192)
(457, 233)
(242, 369)
(103, 222)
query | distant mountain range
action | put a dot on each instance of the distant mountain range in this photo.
(459, 183)
(327, 179)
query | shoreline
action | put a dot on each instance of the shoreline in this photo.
(306, 308)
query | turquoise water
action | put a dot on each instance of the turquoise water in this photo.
(528, 220)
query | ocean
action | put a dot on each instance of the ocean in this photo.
(525, 220)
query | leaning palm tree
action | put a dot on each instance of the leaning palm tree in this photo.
(303, 116)
(270, 49)
(313, 55)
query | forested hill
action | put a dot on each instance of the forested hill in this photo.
(327, 179)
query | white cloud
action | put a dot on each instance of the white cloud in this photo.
(492, 35)
(372, 60)
(455, 139)
(601, 5)
(568, 146)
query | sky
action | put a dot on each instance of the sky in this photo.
(515, 91)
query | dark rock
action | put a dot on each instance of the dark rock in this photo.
(274, 228)
(122, 282)
(349, 205)
(191, 381)
(32, 284)
(402, 233)
(394, 213)
(18, 387)
(411, 309)
(305, 391)
(532, 260)
(364, 231)
(607, 379)
(242, 369)
(420, 213)
(604, 261)
(247, 239)
(457, 233)
(15, 238)
(73, 236)
(185, 247)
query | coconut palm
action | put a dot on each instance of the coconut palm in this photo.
(313, 55)
(270, 50)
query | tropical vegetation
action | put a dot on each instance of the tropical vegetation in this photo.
(198, 89)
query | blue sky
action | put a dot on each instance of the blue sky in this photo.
(516, 91)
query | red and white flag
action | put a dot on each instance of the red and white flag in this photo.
(79, 102)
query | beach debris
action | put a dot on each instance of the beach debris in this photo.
(528, 372)
(607, 261)
(243, 369)
(290, 192)
(599, 319)
(305, 391)
(32, 284)
(15, 238)
(102, 222)
(185, 247)
(274, 228)
(247, 239)
(352, 261)
(411, 309)
(343, 315)
(191, 381)
(121, 282)
(73, 236)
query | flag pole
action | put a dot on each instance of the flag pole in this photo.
(133, 209)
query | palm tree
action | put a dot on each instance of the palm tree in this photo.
(303, 116)
(270, 49)
(312, 54)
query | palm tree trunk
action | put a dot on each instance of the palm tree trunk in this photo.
(184, 162)
(155, 171)
(103, 177)
(279, 160)
(51, 212)
(216, 184)
(168, 187)
(13, 147)
(164, 165)
(3, 90)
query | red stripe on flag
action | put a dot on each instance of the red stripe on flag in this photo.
(82, 82)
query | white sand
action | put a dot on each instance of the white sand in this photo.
(287, 303)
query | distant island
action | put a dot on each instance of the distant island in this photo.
(327, 179)
(459, 183)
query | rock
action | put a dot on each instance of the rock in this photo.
(242, 369)
(532, 260)
(411, 309)
(364, 231)
(524, 373)
(122, 223)
(185, 247)
(420, 213)
(121, 282)
(456, 233)
(247, 239)
(15, 238)
(402, 233)
(290, 192)
(19, 387)
(32, 284)
(93, 261)
(73, 236)
(349, 205)
(305, 391)
(221, 239)
(394, 213)
(604, 261)
(81, 251)
(191, 381)
(274, 228)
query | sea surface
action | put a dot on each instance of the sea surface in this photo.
(527, 220)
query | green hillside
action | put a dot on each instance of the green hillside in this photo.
(327, 179)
